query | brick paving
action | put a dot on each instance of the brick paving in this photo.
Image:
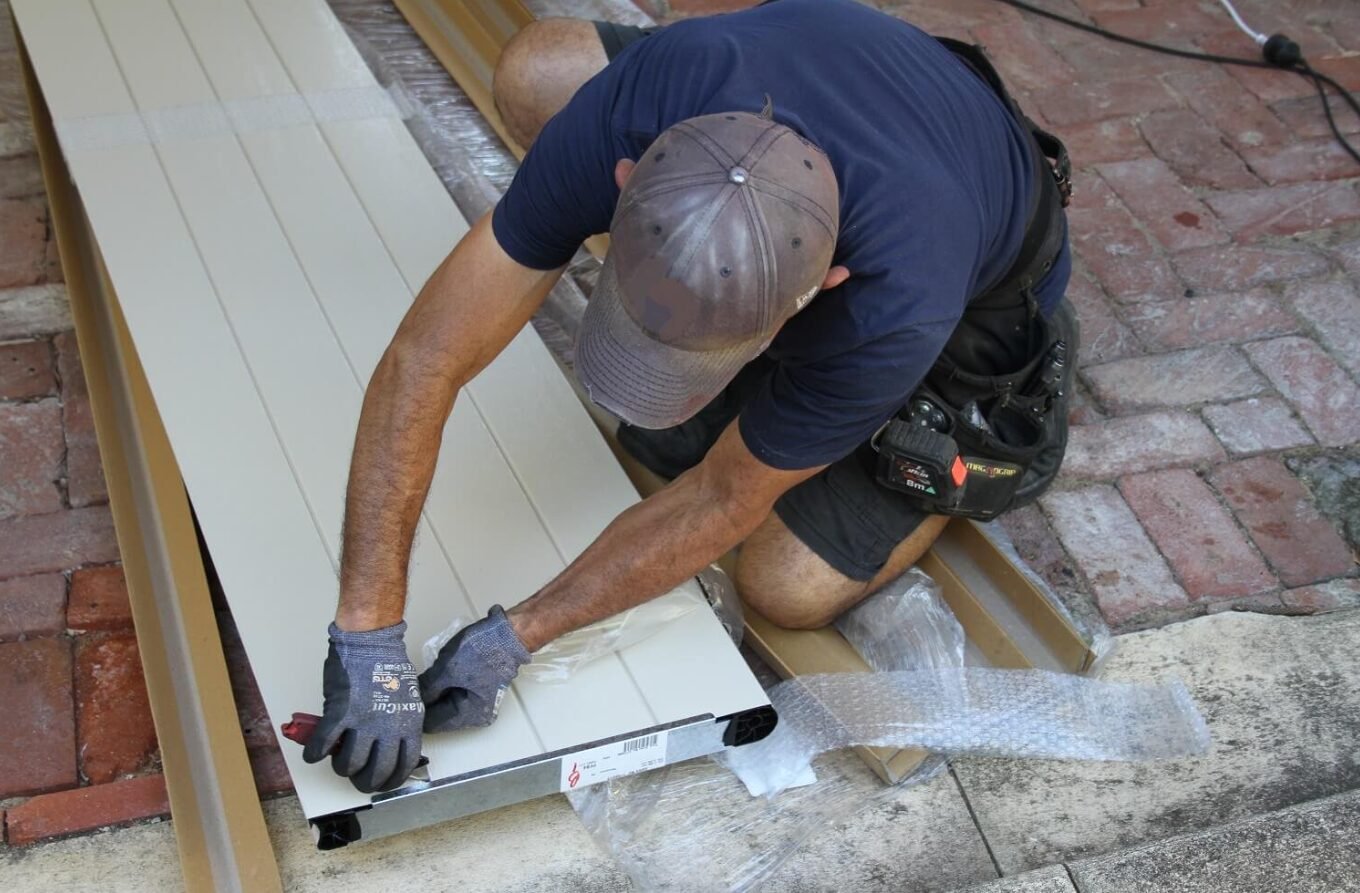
(1217, 238)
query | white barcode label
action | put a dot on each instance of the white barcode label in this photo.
(613, 760)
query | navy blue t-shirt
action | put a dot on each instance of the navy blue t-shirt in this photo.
(934, 172)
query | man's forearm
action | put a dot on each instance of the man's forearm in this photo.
(648, 550)
(395, 451)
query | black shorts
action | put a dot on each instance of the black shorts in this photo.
(843, 514)
(616, 37)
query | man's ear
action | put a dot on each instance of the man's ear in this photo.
(623, 170)
(834, 277)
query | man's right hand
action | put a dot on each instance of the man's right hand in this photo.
(373, 709)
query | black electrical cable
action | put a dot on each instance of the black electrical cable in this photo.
(1281, 54)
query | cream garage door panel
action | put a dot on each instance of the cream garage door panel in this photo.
(263, 261)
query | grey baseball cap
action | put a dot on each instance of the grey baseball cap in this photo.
(724, 230)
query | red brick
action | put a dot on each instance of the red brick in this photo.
(1236, 113)
(1172, 325)
(1324, 598)
(1087, 101)
(1196, 535)
(1345, 70)
(1174, 25)
(1128, 577)
(1083, 409)
(35, 544)
(1285, 210)
(1258, 425)
(1102, 60)
(113, 715)
(1349, 255)
(1139, 443)
(1036, 542)
(1268, 84)
(99, 600)
(1111, 245)
(1103, 336)
(1171, 212)
(270, 771)
(87, 809)
(1106, 5)
(38, 745)
(1239, 267)
(706, 7)
(1196, 151)
(23, 241)
(20, 177)
(26, 370)
(1319, 389)
(1305, 118)
(1319, 159)
(30, 458)
(1203, 375)
(256, 728)
(969, 13)
(1332, 308)
(84, 470)
(36, 310)
(1103, 141)
(32, 606)
(1300, 544)
(1025, 62)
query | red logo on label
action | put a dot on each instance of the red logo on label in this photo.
(573, 776)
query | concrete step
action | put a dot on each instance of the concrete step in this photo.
(1312, 848)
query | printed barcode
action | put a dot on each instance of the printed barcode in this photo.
(639, 744)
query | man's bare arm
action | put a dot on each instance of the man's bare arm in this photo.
(659, 543)
(472, 306)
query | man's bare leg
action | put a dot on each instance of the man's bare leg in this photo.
(539, 71)
(793, 587)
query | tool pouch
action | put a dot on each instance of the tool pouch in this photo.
(998, 385)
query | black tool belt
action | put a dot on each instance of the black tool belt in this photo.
(970, 439)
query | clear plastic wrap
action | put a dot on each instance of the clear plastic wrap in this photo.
(905, 626)
(561, 658)
(974, 711)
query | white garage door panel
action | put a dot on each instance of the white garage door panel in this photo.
(262, 274)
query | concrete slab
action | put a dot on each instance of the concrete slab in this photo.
(1305, 848)
(920, 838)
(1053, 879)
(1282, 699)
(130, 860)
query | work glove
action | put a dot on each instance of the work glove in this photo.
(373, 709)
(465, 684)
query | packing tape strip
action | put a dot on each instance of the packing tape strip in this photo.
(185, 123)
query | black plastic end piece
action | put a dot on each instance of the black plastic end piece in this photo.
(1280, 50)
(336, 830)
(749, 726)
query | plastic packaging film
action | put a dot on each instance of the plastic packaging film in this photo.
(905, 626)
(560, 658)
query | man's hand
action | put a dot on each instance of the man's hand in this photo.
(373, 709)
(464, 686)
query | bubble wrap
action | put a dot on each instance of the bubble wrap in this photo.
(905, 626)
(974, 711)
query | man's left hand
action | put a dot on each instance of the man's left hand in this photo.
(464, 686)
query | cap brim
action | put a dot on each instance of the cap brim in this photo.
(637, 378)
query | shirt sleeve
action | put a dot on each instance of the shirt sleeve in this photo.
(564, 191)
(813, 413)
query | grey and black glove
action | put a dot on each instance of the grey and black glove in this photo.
(465, 684)
(373, 709)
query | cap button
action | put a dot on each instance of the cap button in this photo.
(737, 175)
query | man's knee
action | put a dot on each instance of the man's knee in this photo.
(787, 583)
(540, 69)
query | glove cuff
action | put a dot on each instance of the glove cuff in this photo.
(498, 641)
(374, 642)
